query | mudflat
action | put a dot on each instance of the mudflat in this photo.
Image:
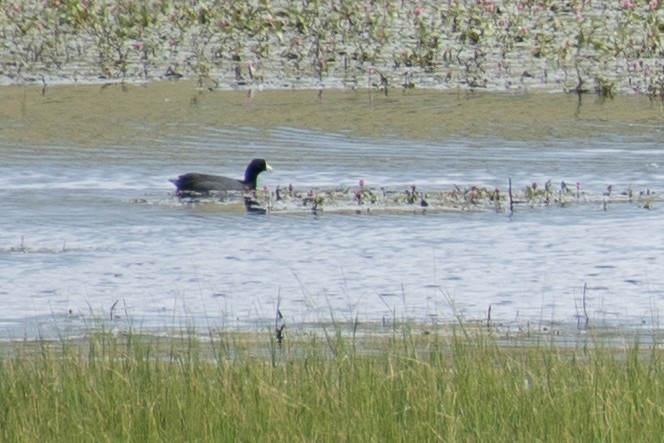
(134, 113)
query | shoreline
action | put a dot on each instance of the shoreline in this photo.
(133, 113)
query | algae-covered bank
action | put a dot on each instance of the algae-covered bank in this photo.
(89, 115)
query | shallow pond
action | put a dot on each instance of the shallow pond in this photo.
(91, 228)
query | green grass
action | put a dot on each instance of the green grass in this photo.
(328, 387)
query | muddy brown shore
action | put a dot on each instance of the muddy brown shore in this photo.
(136, 114)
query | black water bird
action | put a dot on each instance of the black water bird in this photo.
(194, 183)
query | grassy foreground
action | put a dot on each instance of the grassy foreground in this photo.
(401, 387)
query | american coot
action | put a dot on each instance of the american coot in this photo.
(194, 183)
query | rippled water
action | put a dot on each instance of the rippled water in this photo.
(84, 228)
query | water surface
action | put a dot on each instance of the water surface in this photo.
(91, 228)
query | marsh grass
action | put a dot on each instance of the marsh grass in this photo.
(400, 385)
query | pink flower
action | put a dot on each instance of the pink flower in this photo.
(628, 4)
(138, 45)
(653, 4)
(487, 5)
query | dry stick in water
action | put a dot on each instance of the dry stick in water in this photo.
(279, 325)
(510, 195)
(112, 310)
(585, 312)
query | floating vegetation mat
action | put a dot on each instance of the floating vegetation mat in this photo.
(368, 200)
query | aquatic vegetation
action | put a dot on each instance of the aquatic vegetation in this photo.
(365, 199)
(499, 44)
